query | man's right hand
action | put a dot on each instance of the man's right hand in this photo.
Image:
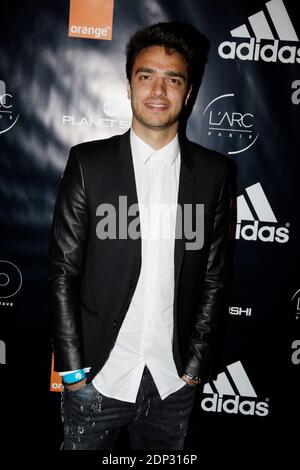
(77, 385)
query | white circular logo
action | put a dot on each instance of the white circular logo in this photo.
(8, 115)
(111, 107)
(225, 121)
(10, 279)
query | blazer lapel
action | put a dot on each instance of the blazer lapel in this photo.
(185, 196)
(127, 180)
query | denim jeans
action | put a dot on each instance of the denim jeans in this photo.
(93, 421)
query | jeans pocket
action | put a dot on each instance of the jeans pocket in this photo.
(78, 405)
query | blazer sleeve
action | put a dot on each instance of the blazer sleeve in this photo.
(213, 298)
(67, 247)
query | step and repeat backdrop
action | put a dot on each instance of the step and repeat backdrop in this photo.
(62, 81)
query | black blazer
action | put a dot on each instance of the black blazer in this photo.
(92, 281)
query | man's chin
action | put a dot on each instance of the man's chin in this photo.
(160, 126)
(157, 124)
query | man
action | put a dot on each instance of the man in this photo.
(135, 315)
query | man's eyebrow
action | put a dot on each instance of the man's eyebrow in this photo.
(168, 73)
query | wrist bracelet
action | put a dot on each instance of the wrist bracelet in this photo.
(74, 377)
(193, 377)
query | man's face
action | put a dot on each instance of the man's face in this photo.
(158, 88)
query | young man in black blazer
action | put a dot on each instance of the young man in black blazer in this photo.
(135, 312)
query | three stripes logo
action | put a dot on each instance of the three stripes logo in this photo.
(273, 24)
(255, 208)
(233, 383)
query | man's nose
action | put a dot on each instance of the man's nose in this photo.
(159, 87)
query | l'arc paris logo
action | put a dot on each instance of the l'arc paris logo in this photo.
(224, 121)
(8, 115)
(232, 392)
(296, 303)
(255, 208)
(91, 19)
(272, 26)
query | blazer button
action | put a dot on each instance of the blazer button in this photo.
(131, 284)
(115, 324)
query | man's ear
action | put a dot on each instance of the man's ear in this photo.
(188, 95)
(128, 90)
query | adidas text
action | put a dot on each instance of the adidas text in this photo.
(254, 51)
(234, 405)
(265, 233)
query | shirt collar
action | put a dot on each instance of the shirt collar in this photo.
(166, 154)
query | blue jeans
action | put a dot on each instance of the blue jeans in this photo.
(93, 421)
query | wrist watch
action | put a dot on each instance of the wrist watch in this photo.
(194, 378)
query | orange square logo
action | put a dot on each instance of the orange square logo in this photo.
(55, 380)
(91, 19)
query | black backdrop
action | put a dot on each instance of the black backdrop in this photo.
(56, 91)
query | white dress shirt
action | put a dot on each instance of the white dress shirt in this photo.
(146, 334)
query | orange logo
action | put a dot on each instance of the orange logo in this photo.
(55, 381)
(91, 19)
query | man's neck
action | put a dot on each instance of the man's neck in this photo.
(157, 139)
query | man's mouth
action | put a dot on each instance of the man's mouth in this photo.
(156, 106)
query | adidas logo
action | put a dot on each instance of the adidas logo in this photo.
(274, 25)
(258, 207)
(237, 384)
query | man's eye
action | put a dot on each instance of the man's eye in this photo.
(145, 77)
(175, 81)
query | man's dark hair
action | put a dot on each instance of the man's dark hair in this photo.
(174, 36)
